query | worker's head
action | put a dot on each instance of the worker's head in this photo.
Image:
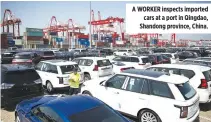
(75, 70)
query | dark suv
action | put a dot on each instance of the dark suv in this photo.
(19, 82)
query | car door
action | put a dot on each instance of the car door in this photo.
(52, 74)
(110, 91)
(134, 96)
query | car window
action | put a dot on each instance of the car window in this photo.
(46, 114)
(53, 69)
(145, 60)
(207, 75)
(160, 89)
(116, 81)
(39, 66)
(187, 73)
(159, 58)
(67, 69)
(76, 61)
(89, 62)
(135, 84)
(134, 59)
(97, 114)
(82, 62)
(21, 77)
(104, 62)
(22, 57)
(117, 59)
(174, 71)
(48, 53)
(126, 59)
(186, 90)
(46, 67)
(145, 89)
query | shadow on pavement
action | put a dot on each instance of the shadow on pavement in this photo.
(205, 106)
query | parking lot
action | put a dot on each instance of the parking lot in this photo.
(93, 66)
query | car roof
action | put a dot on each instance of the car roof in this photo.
(183, 66)
(14, 67)
(70, 105)
(157, 76)
(59, 62)
(24, 53)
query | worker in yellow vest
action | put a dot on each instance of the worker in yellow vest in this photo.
(74, 82)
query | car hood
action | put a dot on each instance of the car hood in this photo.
(27, 105)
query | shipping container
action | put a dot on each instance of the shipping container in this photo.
(34, 38)
(39, 34)
(4, 42)
(34, 30)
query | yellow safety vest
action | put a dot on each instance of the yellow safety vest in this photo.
(74, 80)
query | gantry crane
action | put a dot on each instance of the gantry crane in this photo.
(108, 21)
(8, 20)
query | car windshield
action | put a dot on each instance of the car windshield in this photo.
(48, 53)
(97, 114)
(67, 69)
(186, 90)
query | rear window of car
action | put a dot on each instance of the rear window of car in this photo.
(122, 51)
(207, 75)
(97, 114)
(67, 69)
(7, 55)
(145, 60)
(168, 55)
(48, 53)
(25, 76)
(186, 90)
(104, 62)
(23, 56)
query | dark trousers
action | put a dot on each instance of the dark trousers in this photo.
(73, 91)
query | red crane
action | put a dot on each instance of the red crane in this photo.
(109, 21)
(10, 19)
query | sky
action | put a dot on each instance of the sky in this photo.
(37, 14)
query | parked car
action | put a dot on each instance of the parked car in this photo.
(147, 95)
(200, 77)
(46, 54)
(94, 67)
(174, 58)
(7, 57)
(55, 73)
(26, 58)
(118, 67)
(126, 52)
(66, 109)
(18, 83)
(186, 54)
(138, 62)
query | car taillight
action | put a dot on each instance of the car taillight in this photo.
(14, 61)
(95, 68)
(6, 85)
(61, 81)
(203, 84)
(183, 111)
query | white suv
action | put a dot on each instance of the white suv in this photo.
(55, 73)
(125, 52)
(94, 67)
(200, 77)
(138, 62)
(147, 95)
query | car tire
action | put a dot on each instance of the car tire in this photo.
(87, 77)
(87, 93)
(148, 115)
(17, 119)
(49, 87)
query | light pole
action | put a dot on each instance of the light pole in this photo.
(90, 35)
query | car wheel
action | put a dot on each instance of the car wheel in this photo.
(87, 93)
(17, 119)
(148, 116)
(87, 77)
(49, 87)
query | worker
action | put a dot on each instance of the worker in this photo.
(74, 82)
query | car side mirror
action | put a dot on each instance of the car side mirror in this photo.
(103, 83)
